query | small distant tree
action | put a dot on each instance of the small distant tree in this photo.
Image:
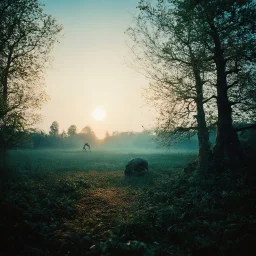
(54, 129)
(63, 134)
(107, 135)
(72, 130)
(88, 134)
(40, 139)
(87, 130)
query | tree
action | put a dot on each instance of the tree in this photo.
(27, 36)
(228, 30)
(88, 135)
(63, 135)
(39, 139)
(225, 37)
(72, 130)
(54, 129)
(176, 62)
(87, 130)
(106, 135)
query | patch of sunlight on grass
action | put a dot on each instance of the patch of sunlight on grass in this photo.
(100, 210)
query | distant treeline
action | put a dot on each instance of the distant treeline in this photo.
(37, 139)
(146, 140)
(122, 140)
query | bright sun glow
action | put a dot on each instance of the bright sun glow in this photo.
(99, 113)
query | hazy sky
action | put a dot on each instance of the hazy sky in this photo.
(90, 68)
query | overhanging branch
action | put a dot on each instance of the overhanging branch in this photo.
(212, 97)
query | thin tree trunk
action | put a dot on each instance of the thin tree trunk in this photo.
(203, 139)
(4, 82)
(5, 75)
(202, 133)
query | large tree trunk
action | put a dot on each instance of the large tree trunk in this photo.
(202, 133)
(203, 139)
(227, 147)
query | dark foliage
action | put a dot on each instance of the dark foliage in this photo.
(161, 213)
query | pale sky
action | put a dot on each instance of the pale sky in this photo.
(90, 68)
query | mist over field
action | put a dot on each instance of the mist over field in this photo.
(127, 128)
(112, 160)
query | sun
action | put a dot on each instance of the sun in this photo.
(99, 114)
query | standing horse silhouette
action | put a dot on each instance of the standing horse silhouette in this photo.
(86, 145)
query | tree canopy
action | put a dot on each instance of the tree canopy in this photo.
(54, 129)
(27, 36)
(72, 130)
(200, 56)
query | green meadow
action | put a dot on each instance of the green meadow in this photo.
(80, 203)
(42, 161)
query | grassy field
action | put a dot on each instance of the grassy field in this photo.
(53, 160)
(73, 195)
(80, 203)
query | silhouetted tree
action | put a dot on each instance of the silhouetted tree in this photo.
(27, 36)
(54, 129)
(176, 62)
(219, 39)
(87, 130)
(64, 134)
(72, 130)
(107, 135)
(40, 139)
(228, 30)
(87, 134)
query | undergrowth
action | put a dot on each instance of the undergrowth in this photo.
(104, 213)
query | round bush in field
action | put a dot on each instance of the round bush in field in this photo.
(136, 166)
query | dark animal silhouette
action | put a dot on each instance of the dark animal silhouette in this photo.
(86, 145)
(136, 166)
